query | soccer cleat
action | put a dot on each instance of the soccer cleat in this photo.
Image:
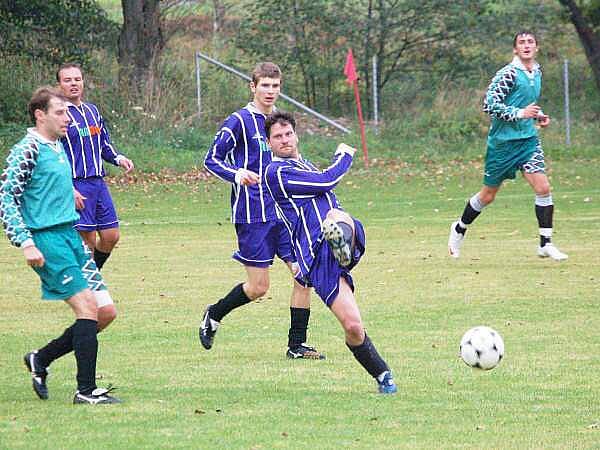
(455, 240)
(340, 245)
(303, 351)
(387, 385)
(208, 329)
(99, 396)
(549, 250)
(38, 375)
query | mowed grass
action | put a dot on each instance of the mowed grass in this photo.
(174, 259)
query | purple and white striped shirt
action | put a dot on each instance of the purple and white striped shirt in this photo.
(303, 195)
(87, 143)
(241, 143)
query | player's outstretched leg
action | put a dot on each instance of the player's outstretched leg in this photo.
(345, 309)
(39, 373)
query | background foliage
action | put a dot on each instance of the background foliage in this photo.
(435, 61)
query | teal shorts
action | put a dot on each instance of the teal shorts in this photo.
(503, 159)
(68, 267)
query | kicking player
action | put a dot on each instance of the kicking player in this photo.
(327, 241)
(37, 208)
(239, 156)
(513, 144)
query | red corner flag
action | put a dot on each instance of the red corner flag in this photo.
(350, 69)
(352, 79)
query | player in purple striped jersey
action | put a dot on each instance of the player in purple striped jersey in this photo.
(327, 241)
(87, 144)
(239, 155)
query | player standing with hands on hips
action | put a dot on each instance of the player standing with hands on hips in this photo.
(239, 156)
(513, 144)
(37, 209)
(326, 240)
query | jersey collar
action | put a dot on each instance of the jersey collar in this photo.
(254, 110)
(519, 65)
(38, 137)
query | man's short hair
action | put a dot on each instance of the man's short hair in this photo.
(67, 66)
(522, 33)
(41, 99)
(280, 117)
(265, 70)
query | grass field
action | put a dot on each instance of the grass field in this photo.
(416, 303)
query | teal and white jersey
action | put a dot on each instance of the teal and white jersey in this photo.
(36, 190)
(511, 90)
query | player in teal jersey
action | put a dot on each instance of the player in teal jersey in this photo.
(37, 209)
(513, 144)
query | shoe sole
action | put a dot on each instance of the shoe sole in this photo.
(306, 355)
(334, 236)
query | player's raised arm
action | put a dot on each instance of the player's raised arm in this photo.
(299, 182)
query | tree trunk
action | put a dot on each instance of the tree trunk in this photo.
(219, 15)
(589, 40)
(140, 44)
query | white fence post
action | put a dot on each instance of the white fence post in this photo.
(567, 112)
(375, 97)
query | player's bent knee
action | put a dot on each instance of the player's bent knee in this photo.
(354, 330)
(106, 315)
(257, 290)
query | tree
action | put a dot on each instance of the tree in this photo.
(141, 43)
(586, 19)
(54, 31)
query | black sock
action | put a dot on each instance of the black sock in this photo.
(56, 348)
(366, 354)
(468, 216)
(544, 216)
(236, 298)
(298, 325)
(100, 258)
(85, 345)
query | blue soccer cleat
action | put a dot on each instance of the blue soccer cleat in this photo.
(387, 385)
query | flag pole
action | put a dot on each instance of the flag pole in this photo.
(361, 123)
(352, 79)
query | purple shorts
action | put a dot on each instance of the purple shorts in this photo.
(325, 272)
(99, 211)
(259, 243)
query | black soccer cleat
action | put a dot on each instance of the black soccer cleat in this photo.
(38, 375)
(99, 396)
(303, 351)
(208, 329)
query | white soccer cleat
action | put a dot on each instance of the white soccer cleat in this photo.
(455, 240)
(550, 251)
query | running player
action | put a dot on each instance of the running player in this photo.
(513, 144)
(239, 155)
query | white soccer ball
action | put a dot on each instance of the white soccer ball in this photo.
(482, 348)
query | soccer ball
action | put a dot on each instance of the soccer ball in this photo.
(482, 348)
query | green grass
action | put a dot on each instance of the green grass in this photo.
(416, 304)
